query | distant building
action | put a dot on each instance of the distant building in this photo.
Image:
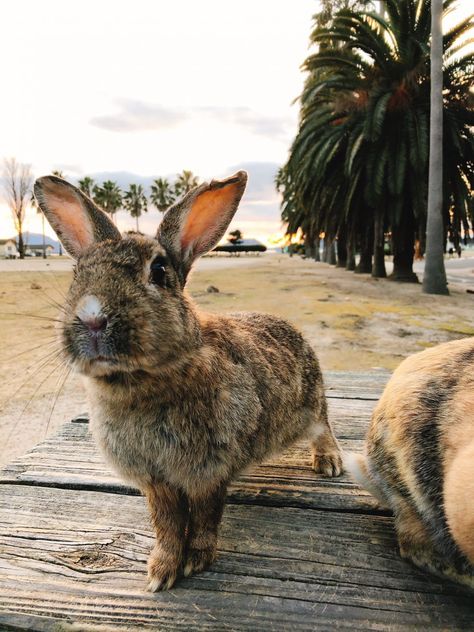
(8, 249)
(36, 250)
(242, 245)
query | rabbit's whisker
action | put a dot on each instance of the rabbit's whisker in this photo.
(45, 360)
(60, 384)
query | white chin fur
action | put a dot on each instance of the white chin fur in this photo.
(97, 368)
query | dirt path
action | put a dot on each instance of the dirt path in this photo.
(353, 321)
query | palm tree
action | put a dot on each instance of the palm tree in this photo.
(358, 166)
(235, 236)
(135, 202)
(86, 185)
(108, 197)
(162, 194)
(434, 279)
(185, 181)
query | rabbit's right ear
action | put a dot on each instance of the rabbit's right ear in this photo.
(196, 223)
(76, 220)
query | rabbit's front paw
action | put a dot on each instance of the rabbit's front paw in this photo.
(162, 571)
(198, 559)
(329, 464)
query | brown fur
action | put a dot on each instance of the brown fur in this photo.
(182, 401)
(420, 458)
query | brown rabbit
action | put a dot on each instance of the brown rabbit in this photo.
(420, 458)
(180, 401)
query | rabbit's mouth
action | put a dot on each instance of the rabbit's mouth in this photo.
(99, 365)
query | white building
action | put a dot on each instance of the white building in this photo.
(8, 249)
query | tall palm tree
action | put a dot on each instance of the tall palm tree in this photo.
(135, 202)
(185, 181)
(86, 185)
(359, 163)
(108, 197)
(434, 278)
(162, 194)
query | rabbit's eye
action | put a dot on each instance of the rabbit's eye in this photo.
(158, 271)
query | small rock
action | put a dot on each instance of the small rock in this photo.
(212, 289)
(35, 286)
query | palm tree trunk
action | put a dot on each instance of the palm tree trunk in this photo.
(308, 246)
(378, 265)
(350, 259)
(136, 221)
(331, 253)
(366, 249)
(434, 278)
(316, 253)
(403, 248)
(325, 249)
(342, 247)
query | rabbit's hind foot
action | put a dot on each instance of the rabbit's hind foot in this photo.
(327, 455)
(328, 464)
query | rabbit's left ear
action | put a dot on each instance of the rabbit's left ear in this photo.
(198, 222)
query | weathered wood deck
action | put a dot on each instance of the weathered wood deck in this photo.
(297, 552)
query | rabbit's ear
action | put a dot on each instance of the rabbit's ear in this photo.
(196, 223)
(76, 220)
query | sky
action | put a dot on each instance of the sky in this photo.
(135, 90)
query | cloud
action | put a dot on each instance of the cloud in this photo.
(261, 183)
(140, 116)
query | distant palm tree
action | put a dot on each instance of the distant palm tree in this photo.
(108, 197)
(162, 194)
(135, 202)
(185, 181)
(235, 236)
(86, 185)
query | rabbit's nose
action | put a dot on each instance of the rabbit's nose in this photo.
(95, 324)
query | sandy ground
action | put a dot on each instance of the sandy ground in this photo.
(353, 321)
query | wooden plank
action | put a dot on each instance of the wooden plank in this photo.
(82, 559)
(70, 460)
(351, 385)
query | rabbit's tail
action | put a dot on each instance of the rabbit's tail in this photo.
(458, 495)
(358, 467)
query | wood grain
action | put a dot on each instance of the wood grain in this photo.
(296, 552)
(80, 556)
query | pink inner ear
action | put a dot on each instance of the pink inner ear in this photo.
(207, 215)
(70, 216)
